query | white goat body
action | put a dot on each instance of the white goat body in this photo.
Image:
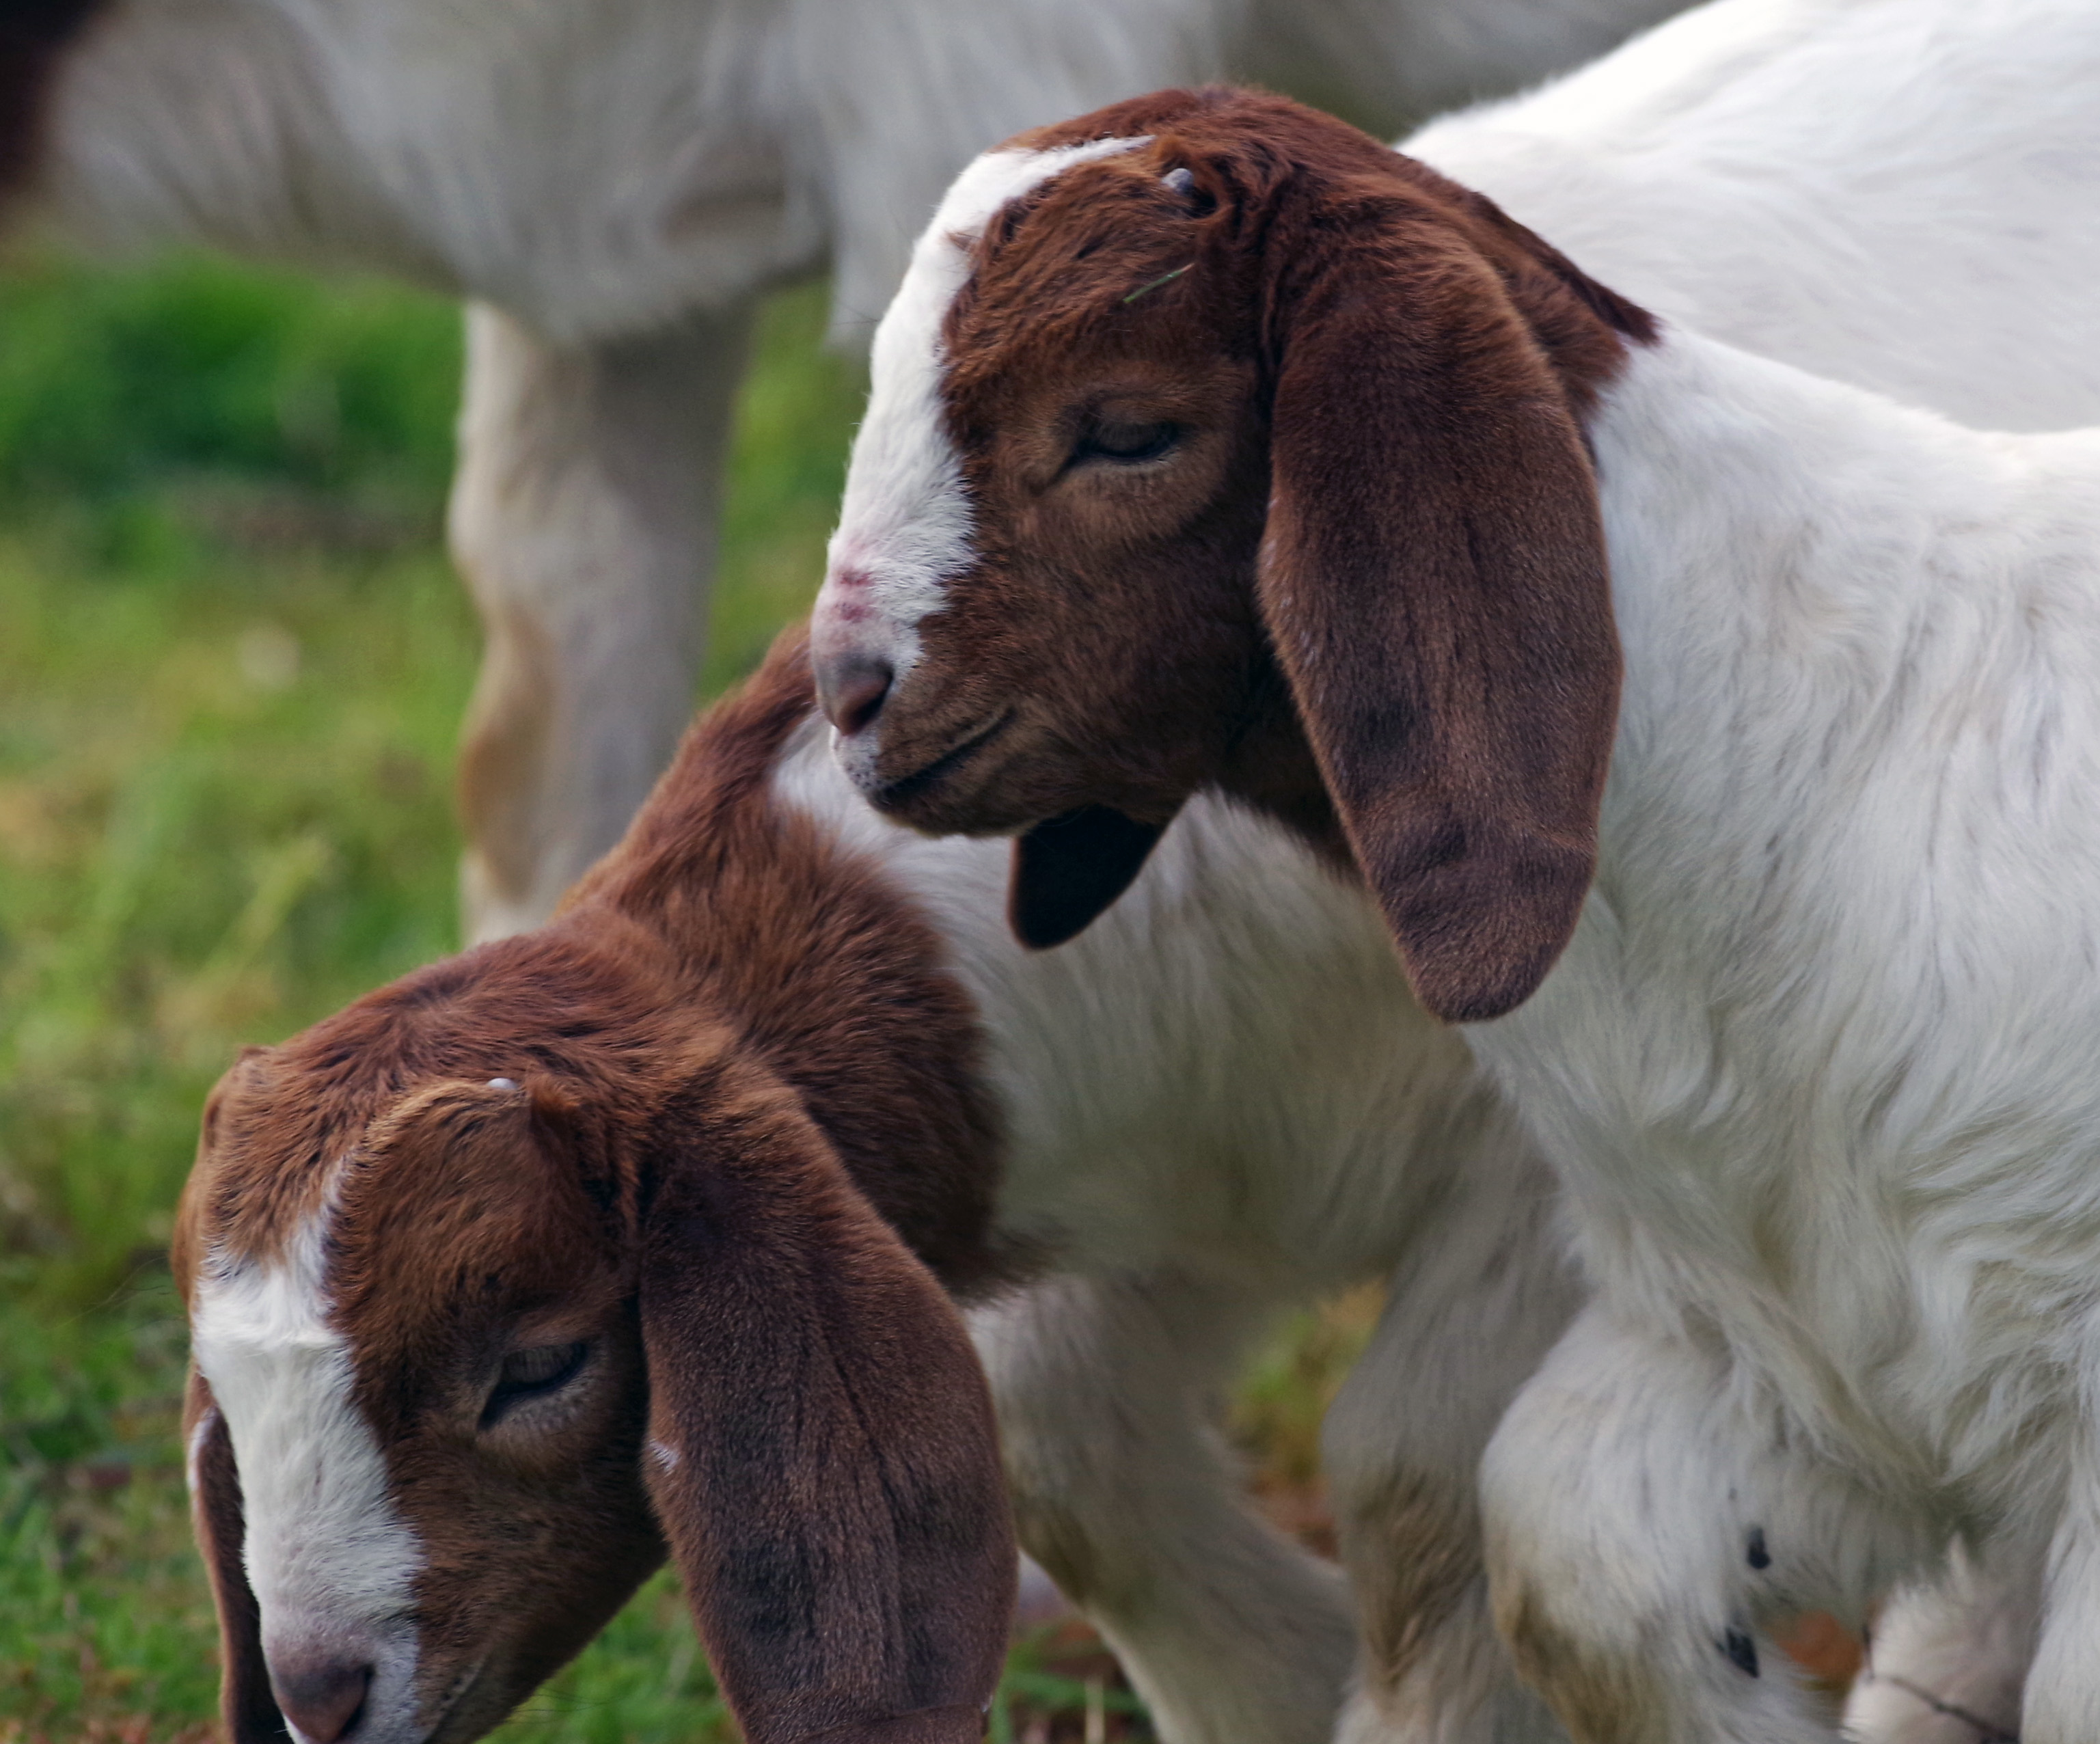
(600, 172)
(1813, 1067)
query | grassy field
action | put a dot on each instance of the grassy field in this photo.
(233, 661)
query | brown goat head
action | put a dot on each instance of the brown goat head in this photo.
(424, 1383)
(1212, 443)
(520, 1271)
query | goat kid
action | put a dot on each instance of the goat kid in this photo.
(613, 184)
(1238, 381)
(637, 1229)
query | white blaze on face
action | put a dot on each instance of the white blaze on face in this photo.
(330, 1560)
(904, 528)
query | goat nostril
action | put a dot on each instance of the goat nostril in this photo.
(852, 690)
(322, 1698)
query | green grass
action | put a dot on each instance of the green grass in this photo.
(232, 663)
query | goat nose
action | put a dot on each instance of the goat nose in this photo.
(323, 1698)
(851, 689)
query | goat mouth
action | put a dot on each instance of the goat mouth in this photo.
(922, 780)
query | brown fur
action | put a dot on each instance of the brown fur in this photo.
(850, 1585)
(34, 35)
(471, 1221)
(1366, 591)
(748, 1123)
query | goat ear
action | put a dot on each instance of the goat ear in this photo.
(1069, 870)
(1433, 578)
(822, 1450)
(246, 1706)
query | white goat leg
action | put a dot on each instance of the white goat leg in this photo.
(583, 519)
(1125, 1492)
(1464, 1327)
(1644, 1526)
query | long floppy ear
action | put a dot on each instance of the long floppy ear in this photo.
(246, 1706)
(823, 1454)
(1068, 871)
(1433, 578)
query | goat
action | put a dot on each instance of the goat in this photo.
(638, 1228)
(1124, 307)
(612, 186)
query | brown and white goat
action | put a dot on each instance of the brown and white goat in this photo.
(643, 1229)
(1213, 446)
(613, 183)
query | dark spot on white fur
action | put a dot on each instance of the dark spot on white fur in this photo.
(1737, 1644)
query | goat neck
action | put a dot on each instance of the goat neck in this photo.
(826, 973)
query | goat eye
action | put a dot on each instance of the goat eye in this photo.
(1125, 444)
(531, 1374)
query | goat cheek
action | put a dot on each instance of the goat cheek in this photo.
(1094, 527)
(1036, 522)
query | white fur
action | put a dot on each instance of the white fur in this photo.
(614, 183)
(1882, 191)
(330, 1560)
(1815, 1067)
(193, 1448)
(904, 527)
(603, 170)
(587, 489)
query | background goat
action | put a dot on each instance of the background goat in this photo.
(613, 185)
(1443, 437)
